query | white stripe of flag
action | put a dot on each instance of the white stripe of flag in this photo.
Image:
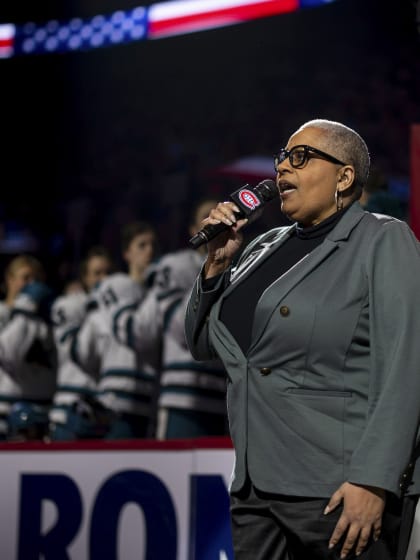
(7, 36)
(186, 16)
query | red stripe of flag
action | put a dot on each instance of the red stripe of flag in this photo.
(217, 18)
(6, 43)
(6, 48)
(7, 35)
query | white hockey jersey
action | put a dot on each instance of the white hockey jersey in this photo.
(27, 356)
(73, 382)
(127, 379)
(5, 405)
(184, 382)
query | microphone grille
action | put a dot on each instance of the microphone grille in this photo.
(267, 189)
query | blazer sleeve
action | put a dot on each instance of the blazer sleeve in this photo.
(197, 317)
(393, 273)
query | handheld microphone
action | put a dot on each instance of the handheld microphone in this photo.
(249, 200)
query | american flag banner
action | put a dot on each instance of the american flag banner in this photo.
(162, 19)
(77, 34)
(7, 37)
(187, 16)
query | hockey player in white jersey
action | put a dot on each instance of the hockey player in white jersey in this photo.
(27, 353)
(127, 379)
(191, 399)
(76, 413)
(21, 271)
(191, 395)
(127, 383)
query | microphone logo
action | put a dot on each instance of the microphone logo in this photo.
(250, 202)
(249, 199)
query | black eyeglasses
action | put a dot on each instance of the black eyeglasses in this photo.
(299, 155)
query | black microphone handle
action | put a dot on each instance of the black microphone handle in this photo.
(264, 192)
(208, 232)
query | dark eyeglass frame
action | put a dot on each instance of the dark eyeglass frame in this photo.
(307, 150)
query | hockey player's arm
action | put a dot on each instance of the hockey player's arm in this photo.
(27, 325)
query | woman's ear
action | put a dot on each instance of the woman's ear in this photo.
(346, 176)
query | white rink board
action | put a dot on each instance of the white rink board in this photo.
(43, 484)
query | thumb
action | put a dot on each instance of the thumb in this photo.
(335, 501)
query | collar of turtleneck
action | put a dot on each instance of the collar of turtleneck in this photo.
(322, 228)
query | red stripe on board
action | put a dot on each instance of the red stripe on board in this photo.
(6, 43)
(221, 17)
(121, 445)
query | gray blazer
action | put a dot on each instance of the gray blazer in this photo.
(329, 389)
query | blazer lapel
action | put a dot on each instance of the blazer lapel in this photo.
(282, 286)
(287, 281)
(256, 257)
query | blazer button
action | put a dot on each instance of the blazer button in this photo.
(284, 311)
(265, 371)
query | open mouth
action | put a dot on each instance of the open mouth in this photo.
(285, 187)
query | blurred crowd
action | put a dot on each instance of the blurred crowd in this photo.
(106, 357)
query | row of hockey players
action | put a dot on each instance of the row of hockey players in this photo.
(109, 361)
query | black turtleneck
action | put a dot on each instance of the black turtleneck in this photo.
(237, 311)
